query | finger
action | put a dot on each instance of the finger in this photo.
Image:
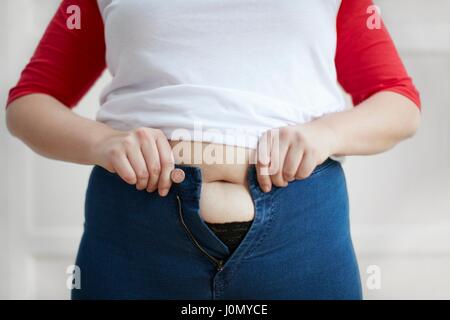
(137, 161)
(150, 153)
(264, 181)
(279, 151)
(306, 166)
(124, 169)
(263, 162)
(177, 175)
(167, 165)
(292, 162)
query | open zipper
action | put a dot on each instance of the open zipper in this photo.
(217, 262)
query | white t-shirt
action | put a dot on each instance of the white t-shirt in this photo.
(222, 71)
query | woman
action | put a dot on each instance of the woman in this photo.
(218, 143)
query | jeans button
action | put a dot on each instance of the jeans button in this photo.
(177, 175)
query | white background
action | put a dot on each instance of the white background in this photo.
(400, 200)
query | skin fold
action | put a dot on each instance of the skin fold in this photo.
(145, 158)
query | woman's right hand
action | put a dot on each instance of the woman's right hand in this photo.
(142, 157)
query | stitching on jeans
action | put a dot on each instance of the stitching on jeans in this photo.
(255, 245)
(233, 268)
(328, 163)
(218, 288)
(271, 214)
(268, 225)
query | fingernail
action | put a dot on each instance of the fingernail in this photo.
(177, 175)
(163, 192)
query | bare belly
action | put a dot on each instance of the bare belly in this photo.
(225, 196)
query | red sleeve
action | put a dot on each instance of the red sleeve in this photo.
(66, 62)
(367, 61)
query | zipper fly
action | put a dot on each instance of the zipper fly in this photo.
(217, 262)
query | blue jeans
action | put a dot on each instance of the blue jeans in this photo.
(138, 245)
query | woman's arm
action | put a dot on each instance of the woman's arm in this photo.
(67, 62)
(376, 125)
(63, 68)
(387, 105)
(369, 68)
(142, 157)
(54, 131)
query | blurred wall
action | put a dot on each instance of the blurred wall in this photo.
(400, 200)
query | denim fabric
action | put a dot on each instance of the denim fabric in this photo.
(137, 246)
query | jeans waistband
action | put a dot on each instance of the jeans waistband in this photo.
(191, 185)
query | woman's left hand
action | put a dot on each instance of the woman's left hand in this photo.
(292, 152)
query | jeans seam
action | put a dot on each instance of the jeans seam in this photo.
(268, 225)
(325, 165)
(251, 248)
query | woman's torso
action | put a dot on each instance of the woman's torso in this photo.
(222, 73)
(233, 69)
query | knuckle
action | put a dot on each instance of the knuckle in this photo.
(303, 174)
(142, 133)
(298, 138)
(288, 174)
(313, 150)
(114, 153)
(151, 186)
(279, 182)
(168, 163)
(155, 170)
(158, 132)
(285, 132)
(143, 174)
(128, 142)
(128, 178)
